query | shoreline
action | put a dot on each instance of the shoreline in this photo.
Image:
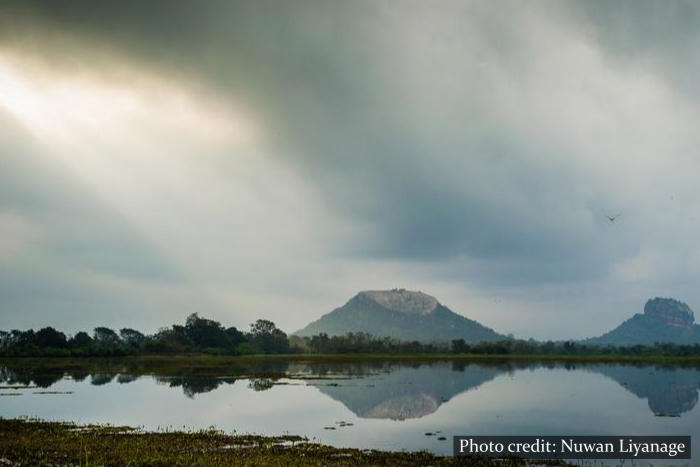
(207, 358)
(35, 442)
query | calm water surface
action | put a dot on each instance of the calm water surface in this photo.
(391, 405)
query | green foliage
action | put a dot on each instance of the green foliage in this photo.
(80, 341)
(33, 442)
(202, 335)
(247, 348)
(132, 337)
(105, 337)
(198, 335)
(169, 340)
(360, 342)
(49, 337)
(235, 336)
(268, 337)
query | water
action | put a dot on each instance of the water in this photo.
(391, 405)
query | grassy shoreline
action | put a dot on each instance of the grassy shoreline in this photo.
(37, 442)
(222, 359)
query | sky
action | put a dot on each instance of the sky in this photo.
(269, 159)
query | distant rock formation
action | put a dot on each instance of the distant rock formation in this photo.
(669, 311)
(665, 320)
(400, 314)
(403, 300)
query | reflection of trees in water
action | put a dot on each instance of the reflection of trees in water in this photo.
(504, 366)
(346, 369)
(261, 384)
(126, 378)
(98, 379)
(194, 381)
(15, 378)
(45, 380)
(78, 375)
(379, 388)
(192, 386)
(46, 377)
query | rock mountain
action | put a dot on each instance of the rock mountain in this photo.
(400, 314)
(663, 320)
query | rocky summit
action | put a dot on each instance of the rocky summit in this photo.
(403, 301)
(400, 314)
(664, 320)
(670, 312)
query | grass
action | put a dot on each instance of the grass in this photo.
(36, 442)
(204, 359)
(44, 371)
(477, 357)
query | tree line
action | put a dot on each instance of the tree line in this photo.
(533, 347)
(197, 335)
(366, 343)
(202, 335)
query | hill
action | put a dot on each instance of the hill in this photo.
(400, 314)
(664, 320)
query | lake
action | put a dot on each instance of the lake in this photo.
(388, 405)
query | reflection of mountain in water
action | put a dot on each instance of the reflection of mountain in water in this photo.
(400, 392)
(670, 390)
(379, 389)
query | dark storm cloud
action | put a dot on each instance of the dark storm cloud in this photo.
(666, 34)
(486, 141)
(321, 75)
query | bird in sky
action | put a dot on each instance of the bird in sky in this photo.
(612, 218)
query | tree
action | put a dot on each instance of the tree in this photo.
(49, 337)
(22, 338)
(105, 337)
(81, 340)
(268, 337)
(262, 326)
(170, 340)
(4, 339)
(298, 344)
(132, 337)
(206, 333)
(235, 336)
(320, 343)
(460, 346)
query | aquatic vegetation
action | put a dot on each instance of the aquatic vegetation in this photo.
(36, 442)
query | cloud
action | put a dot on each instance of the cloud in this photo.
(264, 152)
(18, 234)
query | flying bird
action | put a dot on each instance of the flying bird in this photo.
(612, 218)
